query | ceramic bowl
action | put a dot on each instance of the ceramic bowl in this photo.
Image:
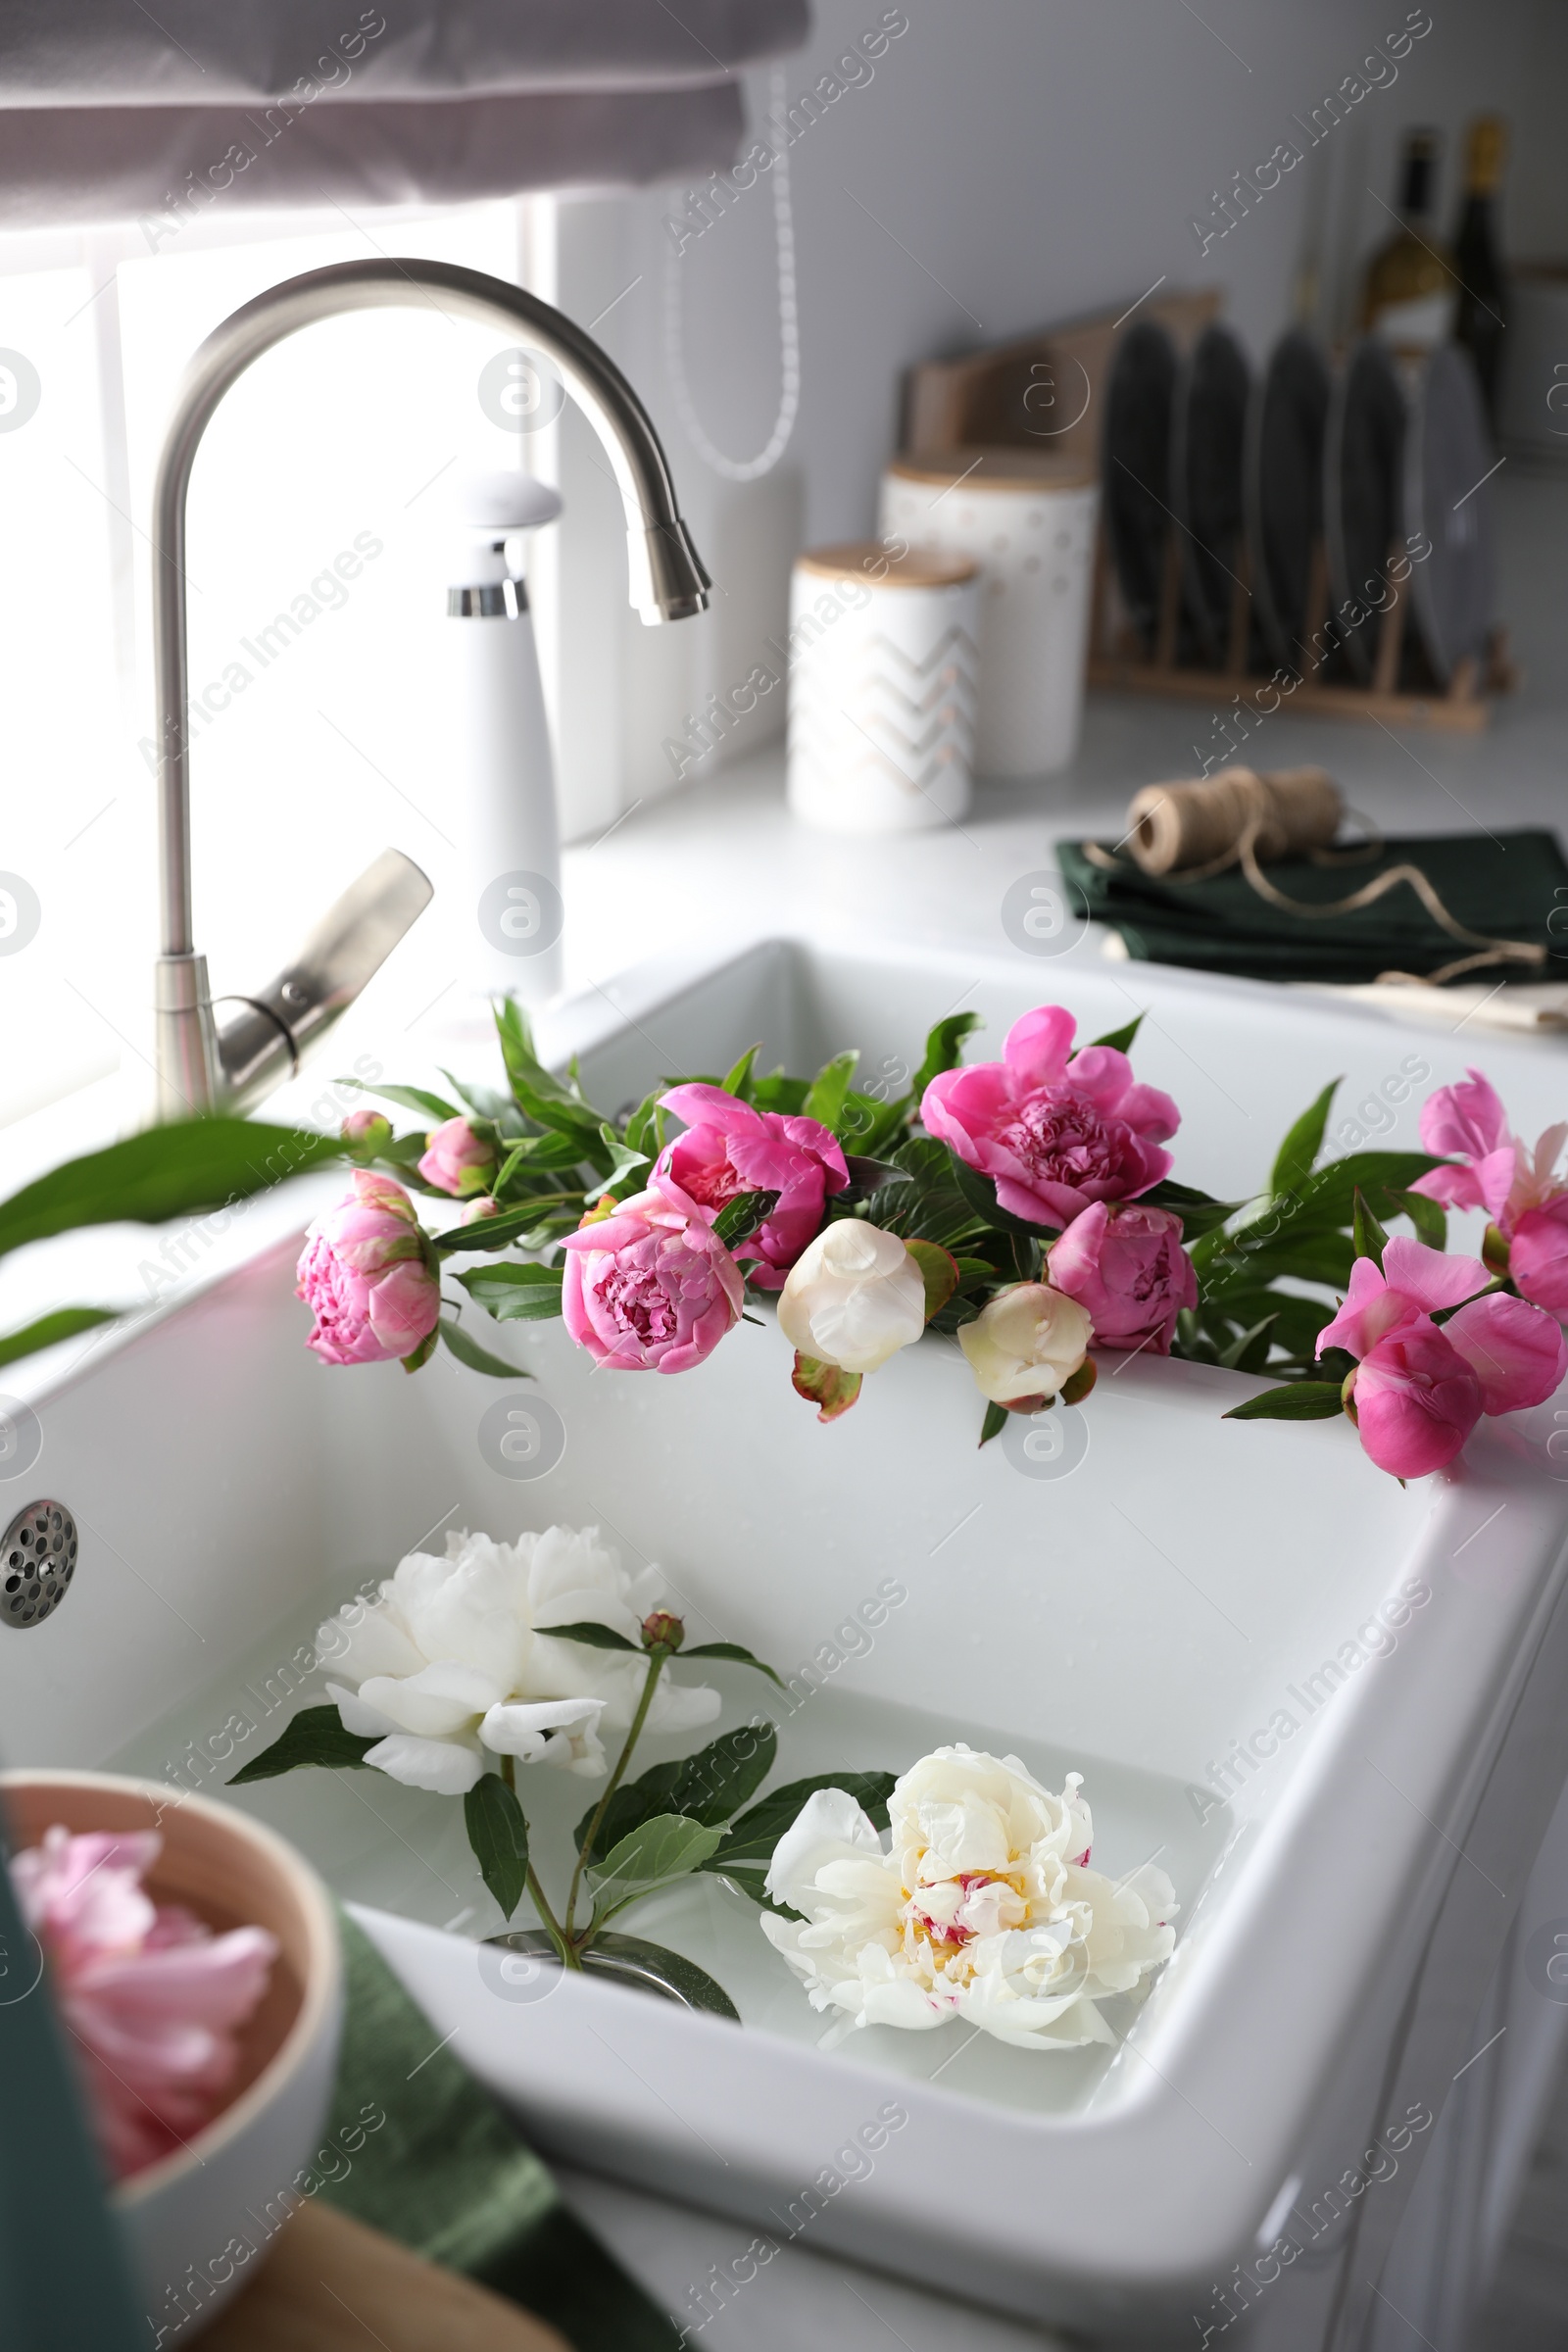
(197, 2218)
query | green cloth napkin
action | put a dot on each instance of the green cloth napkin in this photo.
(1507, 886)
(447, 2174)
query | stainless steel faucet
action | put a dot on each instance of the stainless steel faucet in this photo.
(200, 1066)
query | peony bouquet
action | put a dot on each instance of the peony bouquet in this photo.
(1025, 1208)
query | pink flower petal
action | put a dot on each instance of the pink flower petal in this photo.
(1037, 1047)
(1432, 1277)
(1516, 1350)
(1467, 1119)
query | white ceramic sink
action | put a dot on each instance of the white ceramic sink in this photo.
(1189, 1586)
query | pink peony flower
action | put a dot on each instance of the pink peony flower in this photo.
(648, 1289)
(458, 1162)
(151, 1996)
(1517, 1187)
(1419, 1390)
(1056, 1134)
(1126, 1267)
(731, 1148)
(363, 1274)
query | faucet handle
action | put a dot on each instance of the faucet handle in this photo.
(262, 1044)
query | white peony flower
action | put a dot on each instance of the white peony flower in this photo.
(456, 1657)
(853, 1297)
(985, 1907)
(1026, 1343)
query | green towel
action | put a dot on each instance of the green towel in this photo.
(447, 2174)
(1507, 886)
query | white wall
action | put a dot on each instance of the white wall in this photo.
(1007, 162)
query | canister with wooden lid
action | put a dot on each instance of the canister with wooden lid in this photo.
(1027, 518)
(882, 668)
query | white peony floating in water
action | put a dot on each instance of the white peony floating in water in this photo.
(456, 1657)
(984, 1908)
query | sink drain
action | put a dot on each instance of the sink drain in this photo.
(37, 1561)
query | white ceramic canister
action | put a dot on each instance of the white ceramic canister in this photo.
(882, 668)
(1027, 517)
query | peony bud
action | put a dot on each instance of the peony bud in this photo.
(485, 1206)
(367, 1132)
(854, 1297)
(458, 1162)
(662, 1631)
(1027, 1345)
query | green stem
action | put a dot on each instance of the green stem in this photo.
(656, 1662)
(558, 1935)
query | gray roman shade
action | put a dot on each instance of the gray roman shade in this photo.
(110, 111)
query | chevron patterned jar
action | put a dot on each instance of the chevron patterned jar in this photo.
(882, 667)
(1027, 518)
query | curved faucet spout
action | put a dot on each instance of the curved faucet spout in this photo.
(666, 582)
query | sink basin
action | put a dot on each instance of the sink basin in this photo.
(1325, 1704)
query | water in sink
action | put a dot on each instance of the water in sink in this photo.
(400, 1849)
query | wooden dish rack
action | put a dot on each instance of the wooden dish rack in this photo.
(993, 399)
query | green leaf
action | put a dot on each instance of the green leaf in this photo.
(781, 1093)
(179, 1171)
(536, 1091)
(63, 1324)
(424, 1350)
(642, 1129)
(1429, 1217)
(753, 1837)
(1249, 1352)
(1369, 1238)
(622, 1159)
(739, 1080)
(514, 1294)
(665, 1848)
(707, 1788)
(499, 1836)
(1327, 1197)
(1199, 1212)
(478, 1360)
(1312, 1256)
(673, 1968)
(994, 1422)
(409, 1098)
(748, 1877)
(547, 1154)
(1294, 1400)
(1296, 1157)
(829, 1089)
(593, 1637)
(315, 1736)
(737, 1656)
(742, 1216)
(944, 1050)
(939, 1271)
(495, 1233)
(1121, 1040)
(980, 1193)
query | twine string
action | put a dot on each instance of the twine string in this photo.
(1190, 832)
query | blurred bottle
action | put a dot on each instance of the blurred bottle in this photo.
(1479, 317)
(1408, 294)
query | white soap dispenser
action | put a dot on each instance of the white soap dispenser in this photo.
(502, 801)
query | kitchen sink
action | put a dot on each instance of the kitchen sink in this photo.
(1325, 1704)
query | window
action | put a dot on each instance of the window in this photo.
(316, 605)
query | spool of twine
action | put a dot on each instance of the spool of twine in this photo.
(1187, 832)
(1175, 828)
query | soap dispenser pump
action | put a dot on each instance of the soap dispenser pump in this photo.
(502, 797)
